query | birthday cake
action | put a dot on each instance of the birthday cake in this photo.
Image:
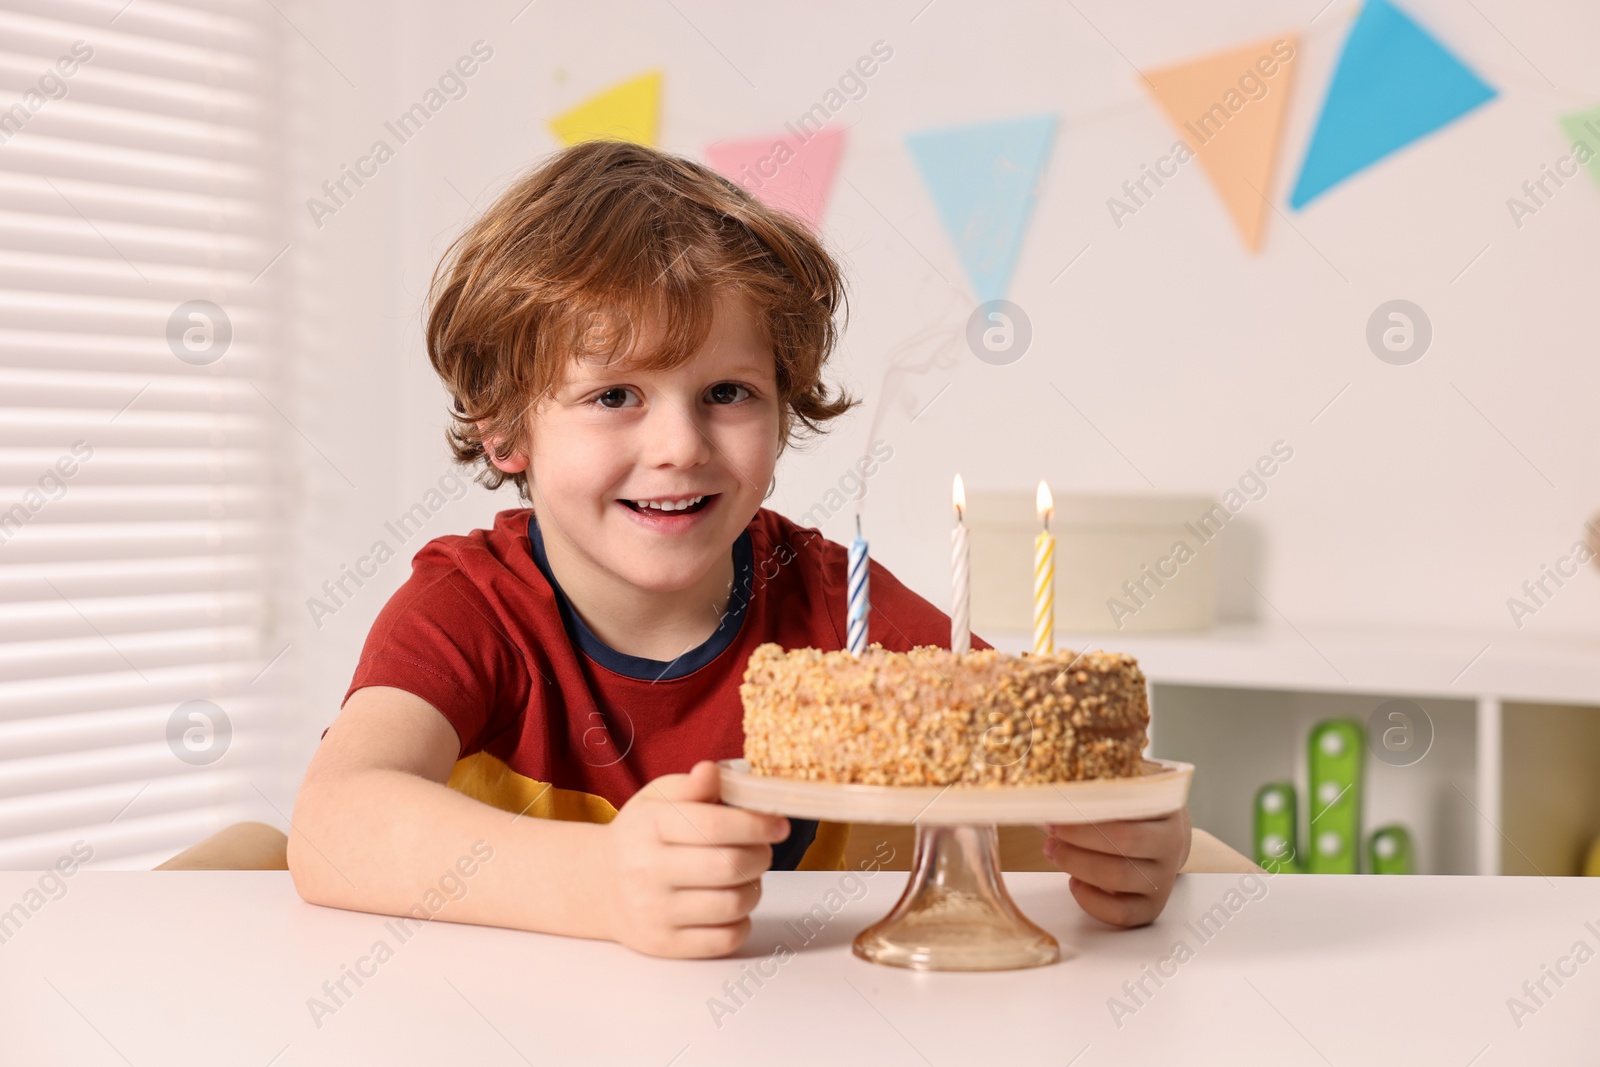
(934, 717)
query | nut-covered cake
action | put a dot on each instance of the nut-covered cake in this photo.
(934, 717)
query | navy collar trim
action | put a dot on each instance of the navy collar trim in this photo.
(652, 670)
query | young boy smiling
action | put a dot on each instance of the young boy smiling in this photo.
(632, 341)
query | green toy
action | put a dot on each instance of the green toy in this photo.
(1389, 850)
(1337, 752)
(1276, 844)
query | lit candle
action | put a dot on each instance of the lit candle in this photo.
(960, 581)
(1044, 578)
(859, 602)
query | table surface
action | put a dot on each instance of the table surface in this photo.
(173, 968)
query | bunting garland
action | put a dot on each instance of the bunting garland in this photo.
(1394, 84)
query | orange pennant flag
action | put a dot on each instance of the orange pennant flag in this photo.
(1229, 109)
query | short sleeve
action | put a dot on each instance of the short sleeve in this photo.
(438, 639)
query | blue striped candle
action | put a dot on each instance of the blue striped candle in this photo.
(859, 602)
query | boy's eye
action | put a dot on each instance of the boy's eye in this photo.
(727, 393)
(613, 398)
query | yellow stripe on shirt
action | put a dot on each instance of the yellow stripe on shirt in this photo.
(489, 779)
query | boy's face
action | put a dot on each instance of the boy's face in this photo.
(650, 476)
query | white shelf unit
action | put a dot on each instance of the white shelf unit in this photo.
(1511, 784)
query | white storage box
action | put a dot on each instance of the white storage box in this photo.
(1119, 564)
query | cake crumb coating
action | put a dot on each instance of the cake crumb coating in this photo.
(934, 717)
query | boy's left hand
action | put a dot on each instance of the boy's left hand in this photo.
(1122, 872)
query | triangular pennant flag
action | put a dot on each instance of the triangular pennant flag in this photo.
(627, 112)
(984, 180)
(1583, 128)
(1394, 83)
(1229, 108)
(783, 171)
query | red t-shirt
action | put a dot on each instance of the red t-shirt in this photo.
(552, 723)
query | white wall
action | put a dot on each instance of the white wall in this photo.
(1403, 504)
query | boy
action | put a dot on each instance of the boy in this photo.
(632, 341)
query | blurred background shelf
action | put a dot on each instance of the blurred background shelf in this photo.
(1410, 662)
(1510, 784)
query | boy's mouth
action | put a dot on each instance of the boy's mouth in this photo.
(671, 505)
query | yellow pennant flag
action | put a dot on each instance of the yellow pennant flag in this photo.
(630, 111)
(1229, 110)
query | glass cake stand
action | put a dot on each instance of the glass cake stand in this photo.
(955, 913)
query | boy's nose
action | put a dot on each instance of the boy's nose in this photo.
(674, 438)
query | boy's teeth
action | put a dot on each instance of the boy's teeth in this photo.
(667, 505)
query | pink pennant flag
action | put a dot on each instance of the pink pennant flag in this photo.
(783, 171)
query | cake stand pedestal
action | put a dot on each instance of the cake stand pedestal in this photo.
(955, 913)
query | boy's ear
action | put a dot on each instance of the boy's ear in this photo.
(515, 463)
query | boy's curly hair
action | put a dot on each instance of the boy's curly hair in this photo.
(602, 236)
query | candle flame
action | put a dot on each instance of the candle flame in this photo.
(958, 496)
(1045, 503)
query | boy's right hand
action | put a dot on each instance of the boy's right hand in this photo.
(685, 871)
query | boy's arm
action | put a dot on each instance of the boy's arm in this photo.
(376, 829)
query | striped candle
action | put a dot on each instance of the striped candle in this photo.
(960, 578)
(1044, 578)
(860, 604)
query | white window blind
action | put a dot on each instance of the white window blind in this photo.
(138, 478)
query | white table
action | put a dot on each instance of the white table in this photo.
(172, 968)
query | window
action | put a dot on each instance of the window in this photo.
(140, 424)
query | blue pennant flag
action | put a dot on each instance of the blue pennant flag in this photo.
(1394, 83)
(984, 180)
